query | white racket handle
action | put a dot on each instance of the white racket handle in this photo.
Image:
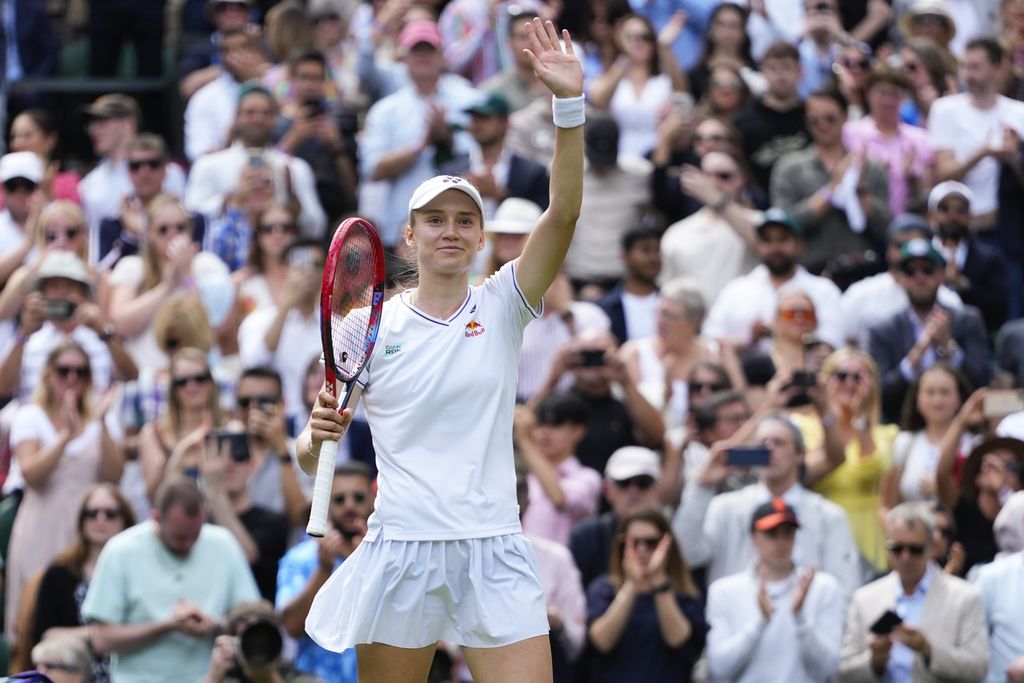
(322, 488)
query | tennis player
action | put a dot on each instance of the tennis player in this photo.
(444, 557)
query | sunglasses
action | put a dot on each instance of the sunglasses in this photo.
(798, 315)
(246, 402)
(151, 164)
(724, 176)
(108, 513)
(911, 269)
(843, 375)
(709, 387)
(51, 236)
(358, 498)
(282, 227)
(862, 64)
(642, 481)
(900, 548)
(647, 542)
(179, 382)
(830, 119)
(929, 20)
(65, 371)
(164, 228)
(14, 184)
(821, 8)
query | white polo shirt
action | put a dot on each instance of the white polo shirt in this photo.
(439, 398)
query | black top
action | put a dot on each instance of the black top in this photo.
(975, 532)
(768, 135)
(269, 530)
(609, 428)
(591, 545)
(58, 605)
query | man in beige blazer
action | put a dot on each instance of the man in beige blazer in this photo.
(942, 635)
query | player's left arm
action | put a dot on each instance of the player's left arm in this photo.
(559, 70)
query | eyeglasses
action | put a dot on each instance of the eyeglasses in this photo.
(822, 8)
(358, 497)
(51, 236)
(724, 176)
(726, 85)
(798, 315)
(179, 228)
(15, 184)
(109, 513)
(135, 165)
(843, 375)
(246, 402)
(830, 119)
(179, 382)
(911, 269)
(642, 481)
(709, 387)
(648, 542)
(65, 371)
(900, 548)
(279, 226)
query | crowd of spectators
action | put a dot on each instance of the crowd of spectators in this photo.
(771, 421)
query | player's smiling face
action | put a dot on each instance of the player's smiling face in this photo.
(446, 233)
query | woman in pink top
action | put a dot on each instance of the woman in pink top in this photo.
(902, 148)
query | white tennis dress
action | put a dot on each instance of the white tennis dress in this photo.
(444, 557)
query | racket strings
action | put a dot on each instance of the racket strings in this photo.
(351, 304)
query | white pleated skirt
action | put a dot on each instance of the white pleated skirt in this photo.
(482, 592)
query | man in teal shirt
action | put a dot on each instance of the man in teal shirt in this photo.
(161, 589)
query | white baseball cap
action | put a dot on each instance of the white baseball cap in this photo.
(430, 189)
(515, 216)
(632, 461)
(945, 189)
(21, 165)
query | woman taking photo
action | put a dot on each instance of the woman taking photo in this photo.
(61, 443)
(646, 617)
(444, 557)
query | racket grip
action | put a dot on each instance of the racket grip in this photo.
(322, 489)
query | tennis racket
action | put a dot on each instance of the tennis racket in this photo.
(351, 301)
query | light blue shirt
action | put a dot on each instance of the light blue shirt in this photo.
(909, 607)
(688, 45)
(1002, 591)
(14, 71)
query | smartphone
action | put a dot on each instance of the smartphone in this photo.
(256, 159)
(682, 102)
(238, 445)
(804, 379)
(592, 358)
(58, 309)
(886, 623)
(315, 107)
(748, 456)
(1003, 402)
(301, 258)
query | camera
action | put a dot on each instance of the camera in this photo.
(592, 358)
(314, 107)
(58, 309)
(259, 644)
(238, 444)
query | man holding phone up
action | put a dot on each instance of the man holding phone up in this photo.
(917, 623)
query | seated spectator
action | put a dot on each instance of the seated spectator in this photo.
(61, 306)
(508, 231)
(974, 270)
(948, 553)
(261, 282)
(64, 660)
(942, 632)
(660, 365)
(473, 38)
(931, 76)
(236, 229)
(35, 130)
(202, 61)
(933, 400)
(104, 513)
(562, 492)
(776, 620)
(287, 29)
(1000, 584)
(223, 179)
(726, 40)
(516, 81)
(728, 92)
(874, 299)
(161, 587)
(852, 69)
(173, 445)
(211, 109)
(306, 567)
(645, 616)
(332, 20)
(61, 443)
(714, 529)
(123, 231)
(631, 304)
(745, 307)
(794, 326)
(227, 470)
(285, 337)
(251, 649)
(925, 332)
(717, 243)
(21, 174)
(930, 20)
(988, 475)
(835, 192)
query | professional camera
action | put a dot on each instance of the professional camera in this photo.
(259, 645)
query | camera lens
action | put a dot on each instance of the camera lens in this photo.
(260, 643)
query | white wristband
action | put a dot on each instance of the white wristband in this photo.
(568, 112)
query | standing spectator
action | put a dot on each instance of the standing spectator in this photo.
(1001, 585)
(203, 61)
(308, 565)
(211, 110)
(714, 530)
(630, 483)
(974, 270)
(632, 303)
(744, 309)
(773, 125)
(332, 20)
(645, 616)
(942, 633)
(925, 332)
(161, 587)
(931, 76)
(836, 193)
(224, 178)
(35, 130)
(104, 513)
(62, 447)
(111, 22)
(516, 81)
(821, 44)
(21, 173)
(775, 621)
(31, 49)
(473, 34)
(562, 491)
(684, 26)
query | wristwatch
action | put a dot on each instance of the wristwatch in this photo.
(108, 333)
(663, 587)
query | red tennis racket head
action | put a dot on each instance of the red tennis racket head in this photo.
(351, 299)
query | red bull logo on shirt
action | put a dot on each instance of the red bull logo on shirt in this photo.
(474, 329)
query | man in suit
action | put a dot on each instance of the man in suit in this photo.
(631, 304)
(941, 635)
(925, 332)
(496, 171)
(975, 270)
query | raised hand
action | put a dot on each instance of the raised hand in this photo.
(557, 67)
(800, 594)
